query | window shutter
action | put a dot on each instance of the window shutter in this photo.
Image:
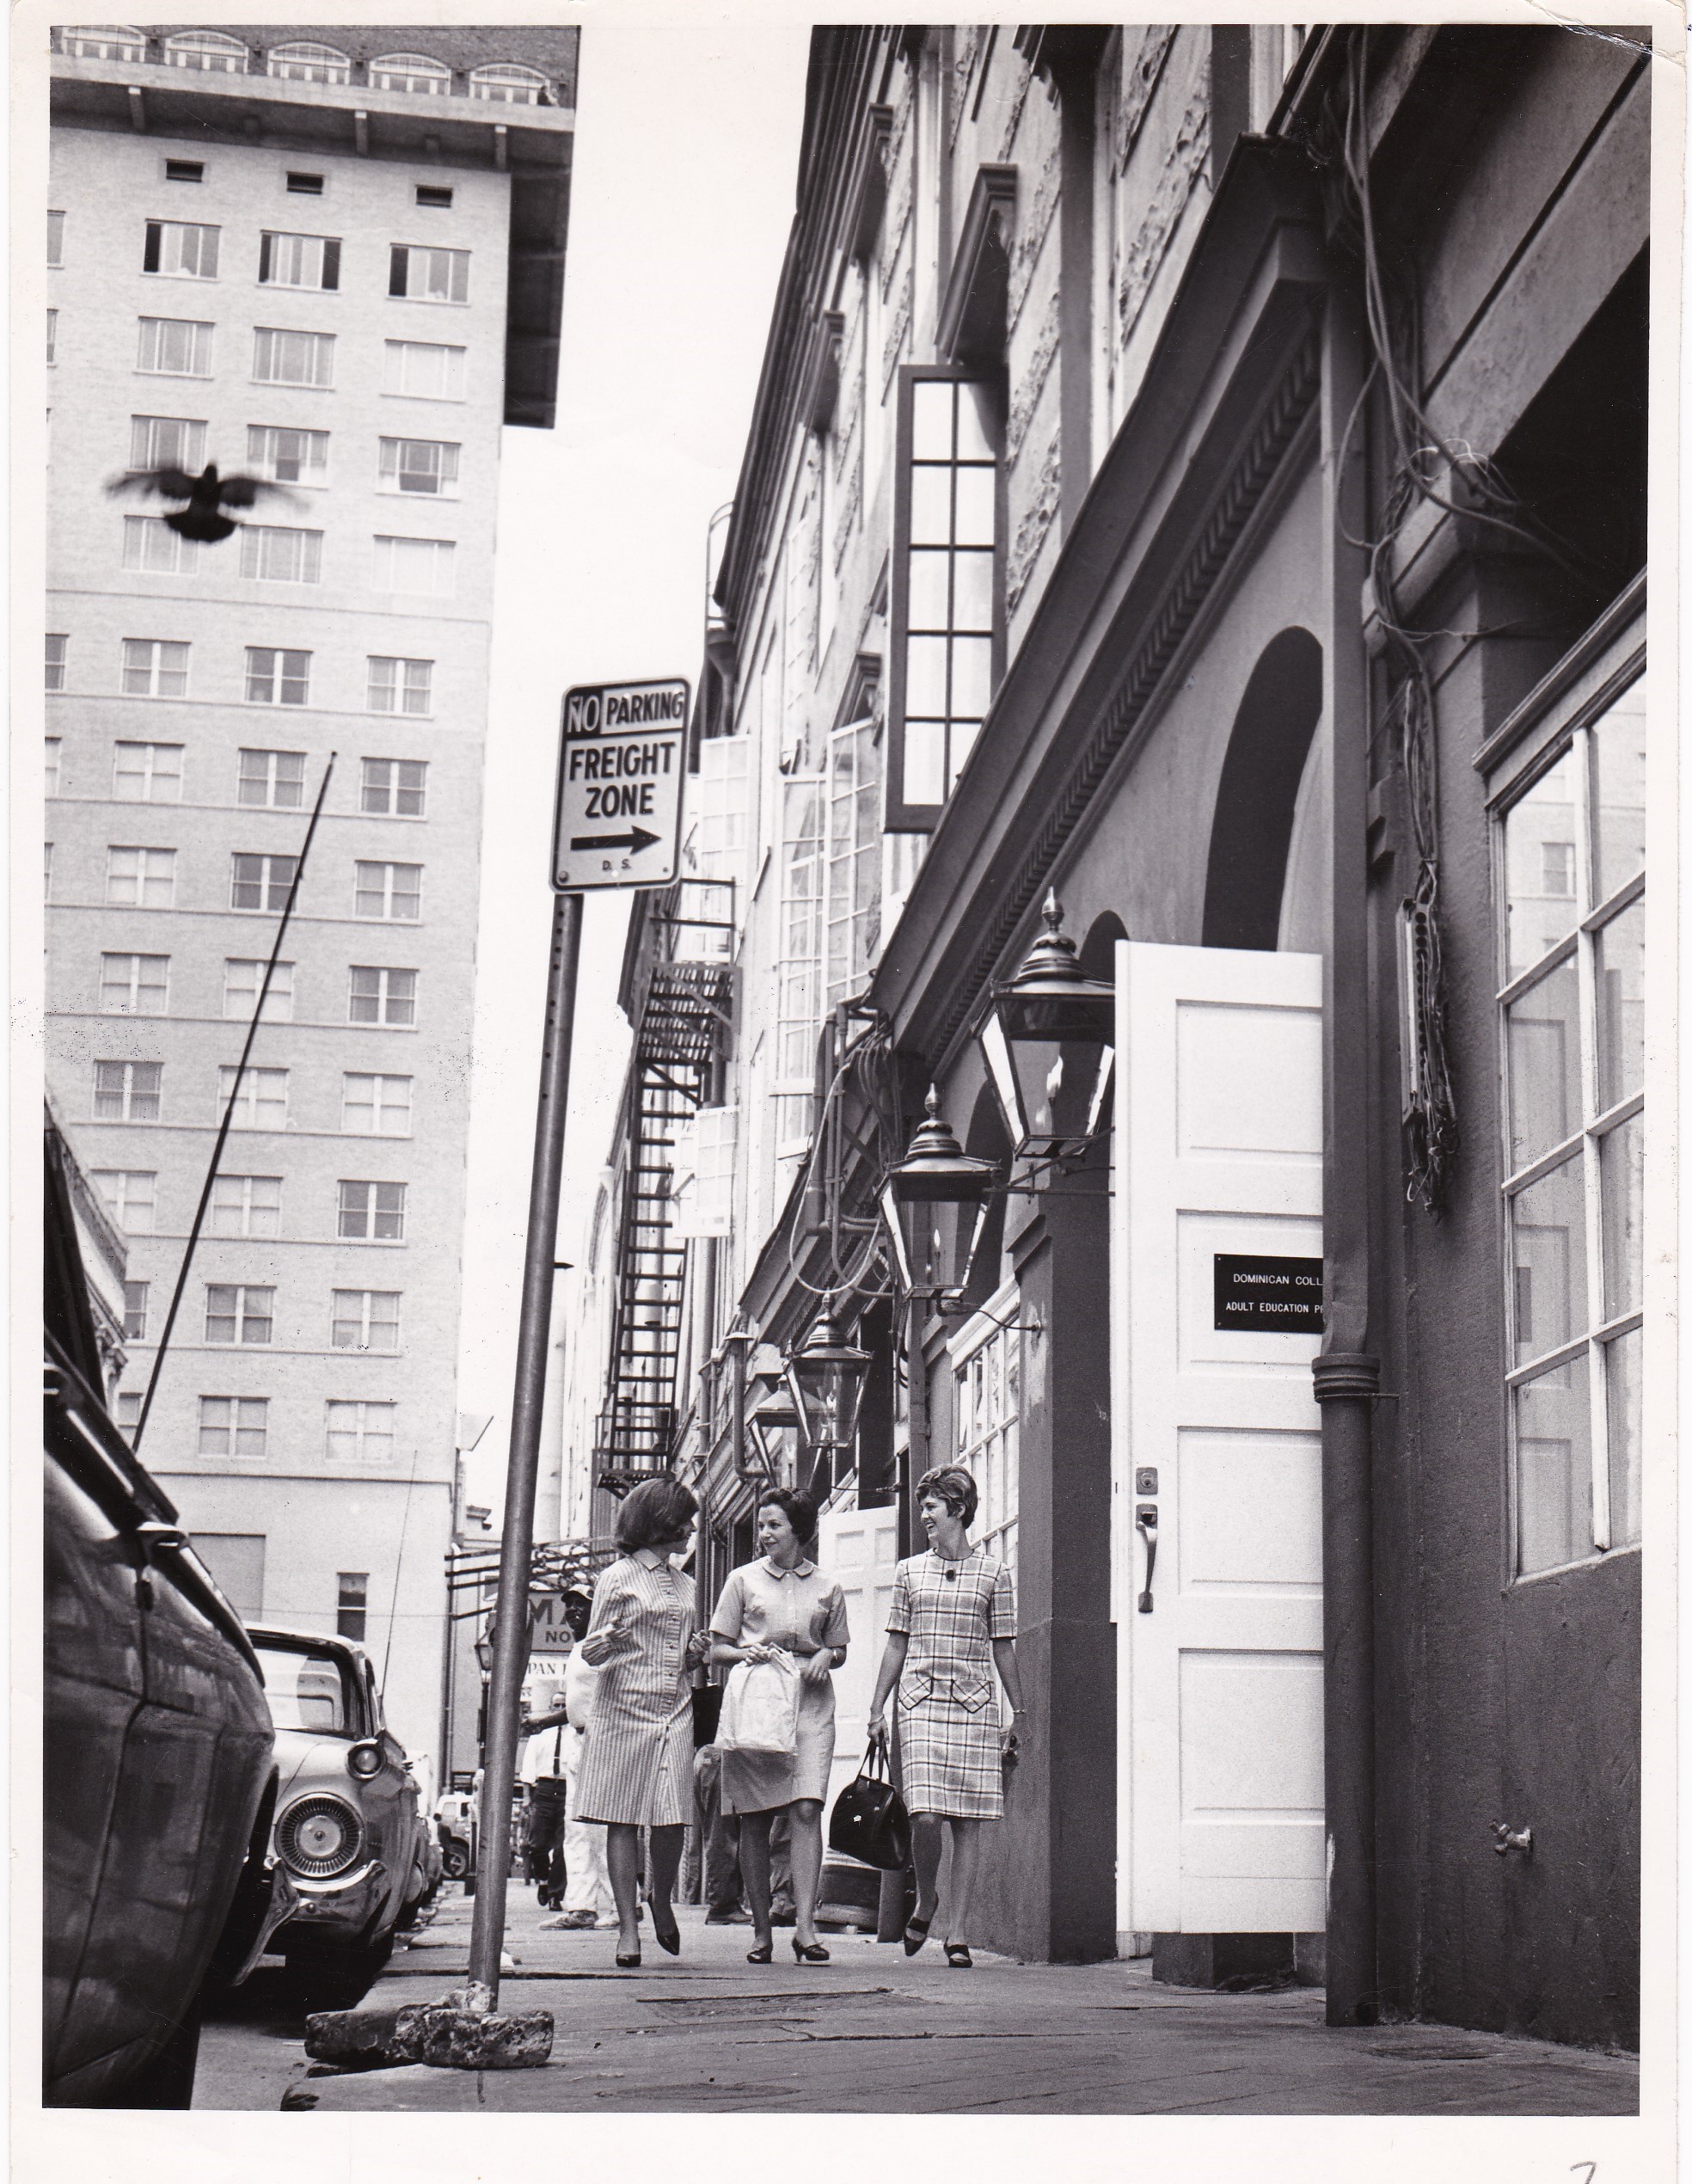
(397, 270)
(150, 256)
(264, 257)
(332, 261)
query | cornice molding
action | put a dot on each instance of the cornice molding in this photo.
(991, 219)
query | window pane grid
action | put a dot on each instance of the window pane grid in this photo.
(949, 569)
(234, 1425)
(399, 686)
(290, 456)
(274, 779)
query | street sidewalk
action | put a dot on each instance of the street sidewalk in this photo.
(874, 2032)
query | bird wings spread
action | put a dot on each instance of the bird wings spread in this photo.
(174, 485)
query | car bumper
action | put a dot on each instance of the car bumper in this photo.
(344, 1910)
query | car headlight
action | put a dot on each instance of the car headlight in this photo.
(364, 1760)
(320, 1836)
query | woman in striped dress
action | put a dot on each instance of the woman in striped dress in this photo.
(636, 1766)
(952, 1623)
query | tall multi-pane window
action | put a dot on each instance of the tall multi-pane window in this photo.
(429, 275)
(131, 1196)
(262, 1103)
(127, 1091)
(166, 443)
(150, 545)
(287, 454)
(243, 975)
(181, 246)
(141, 879)
(299, 260)
(57, 642)
(853, 896)
(987, 1358)
(241, 1312)
(945, 588)
(371, 1212)
(365, 1319)
(414, 565)
(799, 967)
(1571, 863)
(374, 1106)
(135, 1294)
(379, 995)
(278, 677)
(134, 986)
(360, 1433)
(233, 1425)
(433, 370)
(179, 348)
(278, 554)
(129, 1413)
(245, 1205)
(54, 745)
(155, 667)
(395, 787)
(282, 357)
(389, 890)
(351, 1601)
(147, 773)
(261, 882)
(419, 466)
(55, 238)
(272, 778)
(399, 686)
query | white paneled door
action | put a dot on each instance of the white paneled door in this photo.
(859, 1549)
(1216, 1463)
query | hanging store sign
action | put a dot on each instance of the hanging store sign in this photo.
(621, 763)
(549, 1628)
(1257, 1294)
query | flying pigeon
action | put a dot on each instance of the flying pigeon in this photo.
(207, 496)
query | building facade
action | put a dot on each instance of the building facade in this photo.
(334, 261)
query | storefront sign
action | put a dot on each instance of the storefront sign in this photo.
(621, 767)
(549, 1627)
(1256, 1295)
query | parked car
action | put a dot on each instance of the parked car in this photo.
(348, 1827)
(159, 1775)
(455, 1811)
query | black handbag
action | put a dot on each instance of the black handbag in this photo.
(869, 1821)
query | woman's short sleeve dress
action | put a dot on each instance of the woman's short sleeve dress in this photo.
(801, 1610)
(948, 1712)
(636, 1765)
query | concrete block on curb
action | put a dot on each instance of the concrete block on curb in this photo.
(444, 2035)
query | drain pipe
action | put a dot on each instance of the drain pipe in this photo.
(1347, 1378)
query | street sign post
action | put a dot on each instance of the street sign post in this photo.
(621, 762)
(621, 766)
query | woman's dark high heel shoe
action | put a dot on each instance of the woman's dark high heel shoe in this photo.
(762, 1953)
(668, 1938)
(958, 1956)
(809, 1952)
(631, 1962)
(919, 1928)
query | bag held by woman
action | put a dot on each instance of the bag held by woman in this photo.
(869, 1821)
(760, 1707)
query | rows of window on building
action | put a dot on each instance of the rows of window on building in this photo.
(291, 357)
(307, 61)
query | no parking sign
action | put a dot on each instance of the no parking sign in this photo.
(621, 766)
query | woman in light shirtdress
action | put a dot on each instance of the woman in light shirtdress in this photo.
(952, 1623)
(636, 1765)
(783, 1602)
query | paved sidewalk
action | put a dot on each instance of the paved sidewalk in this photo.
(874, 2032)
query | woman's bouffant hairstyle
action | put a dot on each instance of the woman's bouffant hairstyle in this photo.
(800, 1510)
(657, 1510)
(952, 1485)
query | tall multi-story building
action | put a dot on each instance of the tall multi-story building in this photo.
(332, 260)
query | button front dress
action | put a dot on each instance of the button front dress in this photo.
(948, 1712)
(800, 1610)
(636, 1763)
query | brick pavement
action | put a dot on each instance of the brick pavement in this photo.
(876, 2032)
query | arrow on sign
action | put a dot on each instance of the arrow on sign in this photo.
(634, 841)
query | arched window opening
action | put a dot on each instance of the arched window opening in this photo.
(305, 63)
(508, 84)
(206, 49)
(104, 41)
(1258, 796)
(411, 73)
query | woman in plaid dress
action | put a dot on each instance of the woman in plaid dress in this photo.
(950, 1625)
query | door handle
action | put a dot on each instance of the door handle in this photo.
(1145, 1523)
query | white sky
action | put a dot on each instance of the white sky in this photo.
(687, 151)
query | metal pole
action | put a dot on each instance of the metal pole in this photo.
(229, 1113)
(511, 1630)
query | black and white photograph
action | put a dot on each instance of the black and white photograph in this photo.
(859, 1211)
